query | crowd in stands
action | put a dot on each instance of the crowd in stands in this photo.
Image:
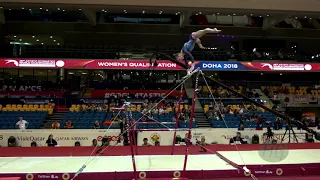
(271, 91)
(239, 115)
(219, 92)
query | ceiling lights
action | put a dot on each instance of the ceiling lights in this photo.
(160, 12)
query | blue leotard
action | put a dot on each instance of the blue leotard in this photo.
(188, 47)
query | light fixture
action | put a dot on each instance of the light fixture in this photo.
(33, 37)
(54, 40)
(20, 39)
(228, 14)
(80, 9)
(47, 10)
(37, 40)
(160, 12)
(196, 14)
(200, 12)
(267, 15)
(63, 10)
(1, 7)
(310, 18)
(14, 36)
(305, 17)
(143, 12)
(234, 14)
(9, 9)
(22, 8)
(296, 17)
(40, 8)
(245, 15)
(251, 14)
(51, 37)
(58, 44)
(218, 13)
(260, 16)
(41, 43)
(30, 9)
(176, 13)
(58, 9)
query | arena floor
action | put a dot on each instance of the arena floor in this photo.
(300, 160)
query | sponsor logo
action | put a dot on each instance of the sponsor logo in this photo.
(12, 61)
(111, 138)
(155, 137)
(288, 67)
(1, 137)
(30, 138)
(36, 63)
(64, 138)
(263, 172)
(48, 177)
(143, 95)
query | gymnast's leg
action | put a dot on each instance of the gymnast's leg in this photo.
(188, 54)
(200, 33)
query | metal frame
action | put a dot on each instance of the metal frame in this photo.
(132, 130)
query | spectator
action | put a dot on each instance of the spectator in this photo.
(22, 124)
(56, 125)
(202, 143)
(96, 125)
(145, 142)
(237, 138)
(33, 144)
(68, 125)
(51, 141)
(241, 127)
(94, 142)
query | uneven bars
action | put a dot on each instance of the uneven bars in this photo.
(177, 121)
(188, 138)
(131, 146)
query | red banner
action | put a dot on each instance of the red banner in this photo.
(87, 64)
(136, 93)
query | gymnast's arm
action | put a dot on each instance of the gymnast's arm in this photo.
(198, 41)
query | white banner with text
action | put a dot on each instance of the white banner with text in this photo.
(220, 136)
(64, 137)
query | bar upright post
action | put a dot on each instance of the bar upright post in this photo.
(188, 138)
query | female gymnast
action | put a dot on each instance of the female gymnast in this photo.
(189, 46)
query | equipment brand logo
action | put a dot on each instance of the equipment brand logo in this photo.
(36, 63)
(273, 152)
(155, 137)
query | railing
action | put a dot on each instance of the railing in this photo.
(107, 52)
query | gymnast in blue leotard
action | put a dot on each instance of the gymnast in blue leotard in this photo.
(189, 46)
